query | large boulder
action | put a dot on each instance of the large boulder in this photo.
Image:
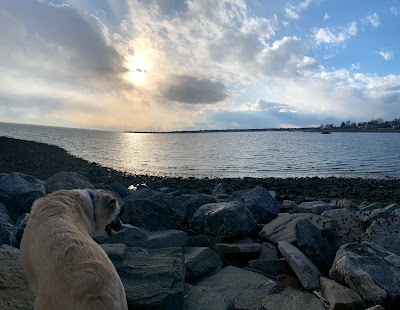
(224, 219)
(304, 269)
(246, 288)
(139, 237)
(283, 227)
(18, 191)
(157, 212)
(153, 278)
(261, 204)
(115, 187)
(15, 291)
(385, 232)
(141, 193)
(371, 271)
(200, 262)
(195, 201)
(314, 243)
(67, 180)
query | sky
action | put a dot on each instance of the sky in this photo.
(165, 65)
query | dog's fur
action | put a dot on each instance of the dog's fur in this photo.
(66, 268)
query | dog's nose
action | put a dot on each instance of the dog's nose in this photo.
(116, 224)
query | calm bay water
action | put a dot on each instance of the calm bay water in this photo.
(227, 154)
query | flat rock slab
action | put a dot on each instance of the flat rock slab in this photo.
(246, 288)
(15, 291)
(340, 297)
(283, 227)
(304, 269)
(292, 299)
(200, 261)
(250, 247)
(203, 298)
(371, 270)
(153, 278)
(271, 267)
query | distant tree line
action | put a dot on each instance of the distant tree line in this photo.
(378, 123)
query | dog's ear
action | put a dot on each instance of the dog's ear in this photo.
(110, 203)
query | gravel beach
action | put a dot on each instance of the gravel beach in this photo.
(43, 160)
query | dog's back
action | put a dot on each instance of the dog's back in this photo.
(66, 268)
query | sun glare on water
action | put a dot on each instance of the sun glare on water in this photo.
(138, 69)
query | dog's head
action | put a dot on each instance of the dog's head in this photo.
(104, 214)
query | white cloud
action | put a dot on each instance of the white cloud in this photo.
(394, 11)
(334, 36)
(372, 20)
(294, 11)
(387, 55)
(326, 16)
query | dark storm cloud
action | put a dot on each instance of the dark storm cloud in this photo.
(77, 40)
(193, 90)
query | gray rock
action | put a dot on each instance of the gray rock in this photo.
(5, 216)
(292, 299)
(287, 205)
(8, 234)
(153, 278)
(196, 201)
(116, 252)
(313, 242)
(304, 269)
(21, 224)
(340, 297)
(202, 298)
(67, 180)
(200, 262)
(371, 271)
(203, 241)
(142, 193)
(237, 195)
(115, 187)
(157, 212)
(139, 237)
(370, 207)
(378, 307)
(261, 204)
(271, 267)
(18, 191)
(385, 232)
(392, 207)
(246, 288)
(245, 247)
(314, 207)
(268, 251)
(219, 189)
(15, 292)
(283, 227)
(224, 219)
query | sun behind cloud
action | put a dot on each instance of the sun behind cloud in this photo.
(138, 67)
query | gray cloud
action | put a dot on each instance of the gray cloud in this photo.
(58, 39)
(193, 90)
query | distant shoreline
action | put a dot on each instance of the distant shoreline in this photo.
(332, 130)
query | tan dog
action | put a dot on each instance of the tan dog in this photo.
(67, 269)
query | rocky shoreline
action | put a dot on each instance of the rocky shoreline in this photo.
(217, 243)
(43, 160)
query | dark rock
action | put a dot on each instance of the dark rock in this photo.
(314, 207)
(139, 237)
(8, 234)
(139, 194)
(271, 267)
(166, 190)
(261, 204)
(200, 262)
(18, 191)
(219, 190)
(5, 216)
(67, 180)
(237, 195)
(203, 241)
(385, 232)
(378, 307)
(246, 288)
(196, 201)
(202, 298)
(313, 242)
(304, 269)
(287, 205)
(292, 299)
(224, 219)
(116, 252)
(371, 271)
(157, 212)
(238, 253)
(283, 227)
(392, 207)
(21, 224)
(153, 278)
(115, 187)
(370, 207)
(268, 251)
(340, 297)
(15, 292)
